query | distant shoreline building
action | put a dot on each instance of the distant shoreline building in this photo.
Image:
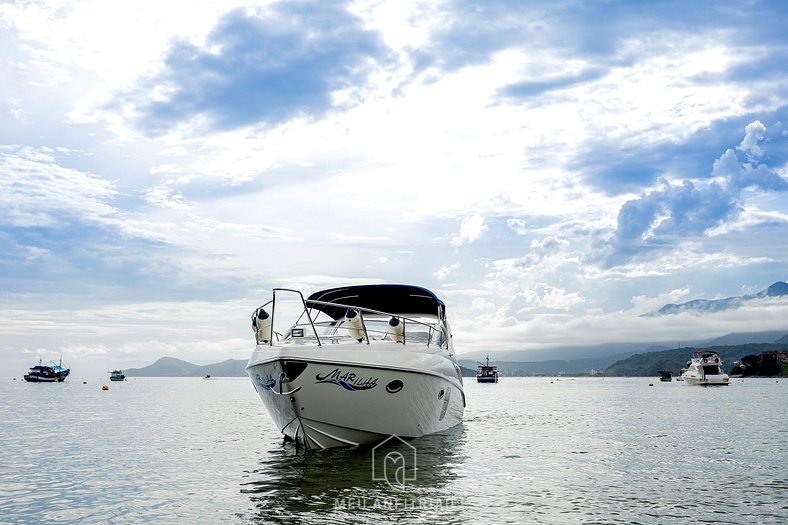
(779, 355)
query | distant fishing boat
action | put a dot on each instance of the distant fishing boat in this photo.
(666, 376)
(47, 373)
(117, 375)
(487, 373)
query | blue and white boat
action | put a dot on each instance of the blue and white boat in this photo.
(47, 373)
(357, 364)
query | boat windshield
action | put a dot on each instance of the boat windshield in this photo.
(405, 314)
(376, 329)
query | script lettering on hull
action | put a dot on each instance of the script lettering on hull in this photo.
(347, 380)
(266, 383)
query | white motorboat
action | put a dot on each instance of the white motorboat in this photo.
(705, 369)
(359, 364)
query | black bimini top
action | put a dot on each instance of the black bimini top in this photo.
(401, 299)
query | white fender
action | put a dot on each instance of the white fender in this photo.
(261, 324)
(355, 327)
(396, 329)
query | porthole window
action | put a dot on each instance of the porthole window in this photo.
(394, 387)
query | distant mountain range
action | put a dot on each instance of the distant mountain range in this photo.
(778, 289)
(172, 367)
(638, 360)
(549, 367)
(652, 363)
(606, 351)
(566, 356)
(566, 352)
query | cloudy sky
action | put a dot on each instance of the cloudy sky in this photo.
(551, 171)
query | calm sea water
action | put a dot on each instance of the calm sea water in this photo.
(534, 450)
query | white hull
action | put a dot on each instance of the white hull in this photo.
(353, 393)
(709, 380)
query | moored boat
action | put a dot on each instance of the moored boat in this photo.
(117, 375)
(359, 364)
(666, 376)
(705, 369)
(47, 373)
(487, 373)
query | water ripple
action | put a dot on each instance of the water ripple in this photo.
(530, 451)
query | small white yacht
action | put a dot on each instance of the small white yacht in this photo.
(357, 364)
(705, 369)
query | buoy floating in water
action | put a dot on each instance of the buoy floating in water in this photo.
(105, 387)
